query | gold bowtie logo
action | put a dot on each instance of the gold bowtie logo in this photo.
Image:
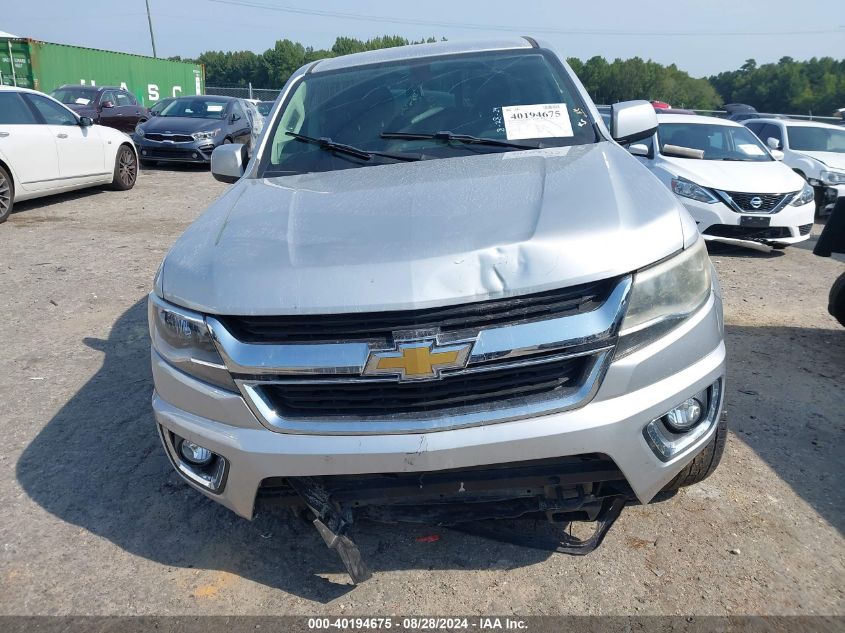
(415, 360)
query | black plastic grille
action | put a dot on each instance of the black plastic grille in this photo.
(361, 398)
(805, 229)
(748, 232)
(171, 153)
(769, 201)
(381, 325)
(176, 138)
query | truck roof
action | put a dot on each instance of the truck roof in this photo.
(413, 51)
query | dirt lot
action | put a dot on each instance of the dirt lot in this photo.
(94, 521)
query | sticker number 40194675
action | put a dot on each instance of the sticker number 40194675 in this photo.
(542, 120)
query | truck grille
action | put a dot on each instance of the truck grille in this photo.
(524, 356)
(381, 325)
(382, 398)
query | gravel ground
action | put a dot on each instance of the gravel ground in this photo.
(95, 522)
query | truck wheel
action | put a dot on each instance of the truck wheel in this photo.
(7, 195)
(836, 306)
(125, 169)
(705, 462)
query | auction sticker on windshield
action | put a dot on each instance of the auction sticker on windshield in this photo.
(542, 120)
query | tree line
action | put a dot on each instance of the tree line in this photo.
(789, 86)
(816, 85)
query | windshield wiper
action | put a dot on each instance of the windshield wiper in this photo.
(459, 138)
(341, 148)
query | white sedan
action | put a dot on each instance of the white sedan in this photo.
(46, 148)
(816, 151)
(736, 188)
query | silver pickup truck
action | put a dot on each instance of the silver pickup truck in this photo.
(440, 291)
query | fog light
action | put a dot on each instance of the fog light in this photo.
(682, 426)
(143, 152)
(686, 415)
(194, 453)
(194, 155)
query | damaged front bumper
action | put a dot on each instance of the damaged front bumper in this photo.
(577, 464)
(635, 390)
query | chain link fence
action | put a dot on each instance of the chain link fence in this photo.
(244, 92)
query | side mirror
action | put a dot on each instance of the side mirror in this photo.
(773, 143)
(235, 117)
(85, 121)
(632, 121)
(228, 162)
(777, 154)
(107, 104)
(639, 149)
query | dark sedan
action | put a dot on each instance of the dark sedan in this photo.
(189, 128)
(105, 105)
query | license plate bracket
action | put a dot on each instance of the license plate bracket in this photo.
(754, 221)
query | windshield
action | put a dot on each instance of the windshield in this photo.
(264, 107)
(75, 96)
(161, 105)
(718, 142)
(196, 108)
(510, 95)
(816, 139)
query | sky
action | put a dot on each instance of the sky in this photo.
(701, 37)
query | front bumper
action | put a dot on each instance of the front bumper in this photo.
(196, 152)
(636, 389)
(717, 220)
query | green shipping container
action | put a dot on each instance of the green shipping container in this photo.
(45, 66)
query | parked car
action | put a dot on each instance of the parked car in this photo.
(264, 107)
(728, 180)
(832, 240)
(816, 151)
(256, 120)
(740, 111)
(158, 106)
(440, 291)
(104, 105)
(46, 148)
(189, 128)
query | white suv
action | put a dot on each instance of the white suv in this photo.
(731, 184)
(816, 151)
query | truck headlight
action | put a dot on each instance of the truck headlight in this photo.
(183, 339)
(663, 295)
(688, 189)
(807, 194)
(832, 177)
(205, 136)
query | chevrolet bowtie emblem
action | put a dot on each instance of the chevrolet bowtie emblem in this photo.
(417, 360)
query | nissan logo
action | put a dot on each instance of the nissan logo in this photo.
(756, 202)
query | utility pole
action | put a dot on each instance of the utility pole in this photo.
(150, 22)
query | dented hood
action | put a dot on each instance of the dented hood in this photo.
(422, 234)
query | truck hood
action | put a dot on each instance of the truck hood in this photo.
(835, 160)
(746, 176)
(415, 235)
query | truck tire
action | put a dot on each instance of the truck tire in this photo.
(7, 194)
(125, 169)
(705, 462)
(836, 305)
